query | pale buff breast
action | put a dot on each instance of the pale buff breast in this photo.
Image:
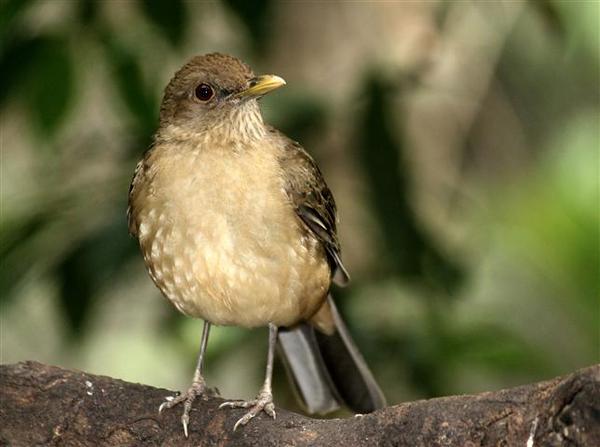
(221, 240)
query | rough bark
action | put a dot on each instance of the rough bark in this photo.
(46, 405)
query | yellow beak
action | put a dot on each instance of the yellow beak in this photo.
(261, 85)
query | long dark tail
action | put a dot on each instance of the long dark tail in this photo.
(328, 371)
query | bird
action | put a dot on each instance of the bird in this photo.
(237, 227)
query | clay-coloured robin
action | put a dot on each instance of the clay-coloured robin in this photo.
(238, 227)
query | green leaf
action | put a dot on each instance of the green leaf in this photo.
(18, 250)
(19, 57)
(88, 11)
(169, 16)
(410, 249)
(49, 90)
(493, 347)
(549, 13)
(132, 89)
(256, 16)
(10, 11)
(89, 267)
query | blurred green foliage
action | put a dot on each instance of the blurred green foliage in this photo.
(413, 254)
(515, 298)
(170, 17)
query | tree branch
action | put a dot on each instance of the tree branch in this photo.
(46, 405)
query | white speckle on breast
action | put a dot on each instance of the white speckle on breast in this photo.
(227, 247)
(144, 228)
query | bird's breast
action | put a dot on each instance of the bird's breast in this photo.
(221, 240)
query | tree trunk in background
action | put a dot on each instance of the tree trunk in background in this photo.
(46, 405)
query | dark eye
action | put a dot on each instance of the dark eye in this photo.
(204, 92)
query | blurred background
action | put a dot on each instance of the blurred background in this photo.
(459, 138)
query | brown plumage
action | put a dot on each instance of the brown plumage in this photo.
(238, 227)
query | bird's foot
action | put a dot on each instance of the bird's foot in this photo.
(263, 402)
(198, 388)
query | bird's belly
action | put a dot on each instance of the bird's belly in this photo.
(234, 256)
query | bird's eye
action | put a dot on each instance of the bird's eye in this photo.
(204, 92)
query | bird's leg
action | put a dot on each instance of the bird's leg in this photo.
(197, 388)
(264, 400)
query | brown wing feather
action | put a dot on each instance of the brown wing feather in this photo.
(130, 220)
(312, 200)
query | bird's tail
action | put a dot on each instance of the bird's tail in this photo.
(327, 370)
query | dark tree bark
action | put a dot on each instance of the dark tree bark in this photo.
(46, 405)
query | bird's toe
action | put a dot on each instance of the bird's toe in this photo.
(264, 402)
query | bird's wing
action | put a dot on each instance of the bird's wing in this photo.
(138, 177)
(132, 185)
(312, 200)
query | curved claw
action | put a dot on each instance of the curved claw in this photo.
(165, 404)
(185, 419)
(161, 407)
(270, 410)
(264, 402)
(197, 389)
(241, 421)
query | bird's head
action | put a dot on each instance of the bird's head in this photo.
(216, 92)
